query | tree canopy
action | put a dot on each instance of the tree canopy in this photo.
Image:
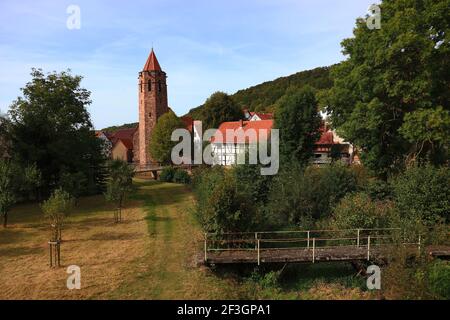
(218, 108)
(391, 96)
(50, 127)
(298, 120)
(16, 184)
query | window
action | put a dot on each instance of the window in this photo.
(149, 85)
(149, 114)
(159, 86)
(140, 86)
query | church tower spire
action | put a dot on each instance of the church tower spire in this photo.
(152, 63)
(152, 103)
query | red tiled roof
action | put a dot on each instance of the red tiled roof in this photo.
(126, 135)
(326, 138)
(108, 135)
(152, 63)
(262, 131)
(188, 122)
(264, 116)
(128, 143)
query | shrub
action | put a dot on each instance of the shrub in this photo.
(439, 279)
(378, 189)
(230, 210)
(221, 207)
(250, 181)
(203, 182)
(300, 196)
(167, 174)
(181, 176)
(422, 194)
(333, 183)
(358, 210)
(291, 197)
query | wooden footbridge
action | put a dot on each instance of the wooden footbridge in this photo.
(311, 246)
(155, 168)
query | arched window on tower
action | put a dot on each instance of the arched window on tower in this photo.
(149, 85)
(159, 86)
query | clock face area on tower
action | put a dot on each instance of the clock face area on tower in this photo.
(153, 104)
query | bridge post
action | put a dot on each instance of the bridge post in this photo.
(357, 239)
(206, 247)
(314, 249)
(368, 248)
(419, 243)
(308, 238)
(259, 257)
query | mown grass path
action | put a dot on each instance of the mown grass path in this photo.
(167, 270)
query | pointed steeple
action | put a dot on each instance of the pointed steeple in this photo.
(152, 63)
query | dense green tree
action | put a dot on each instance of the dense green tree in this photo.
(73, 184)
(51, 127)
(222, 207)
(16, 184)
(30, 181)
(4, 143)
(298, 120)
(8, 189)
(422, 194)
(428, 130)
(299, 196)
(250, 181)
(160, 142)
(391, 96)
(119, 185)
(218, 108)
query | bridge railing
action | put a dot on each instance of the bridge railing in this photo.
(312, 240)
(295, 239)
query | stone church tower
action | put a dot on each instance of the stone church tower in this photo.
(152, 105)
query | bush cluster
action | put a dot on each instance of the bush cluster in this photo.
(171, 174)
(342, 197)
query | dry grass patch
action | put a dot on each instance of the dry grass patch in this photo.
(91, 240)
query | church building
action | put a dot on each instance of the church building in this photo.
(152, 87)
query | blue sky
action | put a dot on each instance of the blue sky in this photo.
(204, 46)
